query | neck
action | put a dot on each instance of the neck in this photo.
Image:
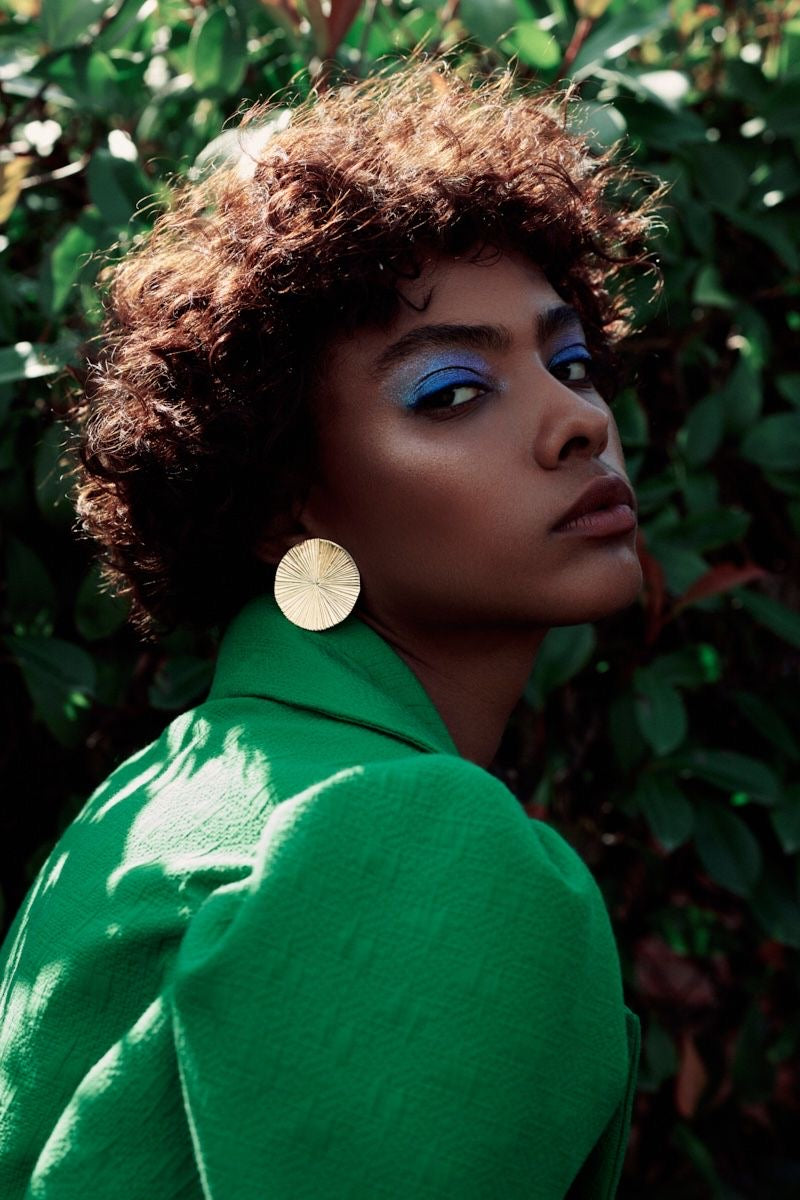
(473, 677)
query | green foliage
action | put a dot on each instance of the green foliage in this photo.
(662, 742)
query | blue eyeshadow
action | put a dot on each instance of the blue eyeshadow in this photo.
(577, 351)
(449, 369)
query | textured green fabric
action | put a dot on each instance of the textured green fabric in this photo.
(299, 949)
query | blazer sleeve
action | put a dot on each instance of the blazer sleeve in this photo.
(415, 993)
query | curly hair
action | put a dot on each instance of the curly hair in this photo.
(196, 428)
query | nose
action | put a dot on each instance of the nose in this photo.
(571, 424)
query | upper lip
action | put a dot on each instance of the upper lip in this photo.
(604, 492)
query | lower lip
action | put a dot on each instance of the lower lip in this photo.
(603, 522)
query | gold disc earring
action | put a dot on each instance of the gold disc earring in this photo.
(317, 584)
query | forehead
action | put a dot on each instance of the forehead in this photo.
(460, 289)
(505, 289)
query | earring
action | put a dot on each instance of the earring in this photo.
(316, 584)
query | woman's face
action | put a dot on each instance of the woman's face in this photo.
(447, 455)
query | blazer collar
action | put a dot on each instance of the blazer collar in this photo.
(348, 672)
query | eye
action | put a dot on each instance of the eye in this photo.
(450, 397)
(575, 371)
(573, 365)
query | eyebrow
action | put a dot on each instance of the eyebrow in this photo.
(476, 337)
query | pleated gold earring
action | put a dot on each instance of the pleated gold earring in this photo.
(317, 584)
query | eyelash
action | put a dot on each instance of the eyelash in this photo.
(571, 355)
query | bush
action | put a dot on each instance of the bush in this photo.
(662, 741)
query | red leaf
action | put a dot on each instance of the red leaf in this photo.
(663, 976)
(654, 589)
(691, 1080)
(343, 13)
(720, 578)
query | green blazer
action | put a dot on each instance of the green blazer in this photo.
(299, 949)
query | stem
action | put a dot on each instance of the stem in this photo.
(579, 36)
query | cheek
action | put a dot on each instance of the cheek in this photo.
(403, 503)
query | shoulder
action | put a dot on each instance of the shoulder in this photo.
(435, 825)
(439, 796)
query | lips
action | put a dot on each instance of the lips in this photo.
(604, 492)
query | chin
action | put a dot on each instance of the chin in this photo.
(604, 597)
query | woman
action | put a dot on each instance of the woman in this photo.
(305, 945)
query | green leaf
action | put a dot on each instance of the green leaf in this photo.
(703, 431)
(116, 186)
(681, 566)
(708, 290)
(742, 397)
(767, 720)
(776, 909)
(97, 612)
(30, 595)
(712, 529)
(600, 124)
(747, 82)
(52, 477)
(660, 711)
(64, 22)
(665, 808)
(631, 420)
(60, 679)
(733, 772)
(786, 822)
(217, 52)
(782, 108)
(667, 87)
(564, 652)
(698, 222)
(70, 260)
(31, 361)
(629, 746)
(617, 35)
(124, 25)
(772, 615)
(700, 490)
(774, 443)
(690, 1146)
(488, 20)
(771, 229)
(535, 46)
(690, 667)
(653, 493)
(179, 681)
(788, 385)
(659, 1057)
(720, 175)
(727, 849)
(92, 81)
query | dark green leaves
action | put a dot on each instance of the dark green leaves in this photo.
(27, 361)
(97, 613)
(217, 52)
(562, 654)
(60, 678)
(665, 808)
(65, 22)
(660, 711)
(727, 849)
(775, 442)
(116, 186)
(180, 681)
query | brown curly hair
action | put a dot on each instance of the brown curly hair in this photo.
(196, 428)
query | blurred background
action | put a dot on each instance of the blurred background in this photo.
(662, 742)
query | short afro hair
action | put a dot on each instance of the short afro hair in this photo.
(196, 433)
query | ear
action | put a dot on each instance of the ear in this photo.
(289, 529)
(279, 536)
